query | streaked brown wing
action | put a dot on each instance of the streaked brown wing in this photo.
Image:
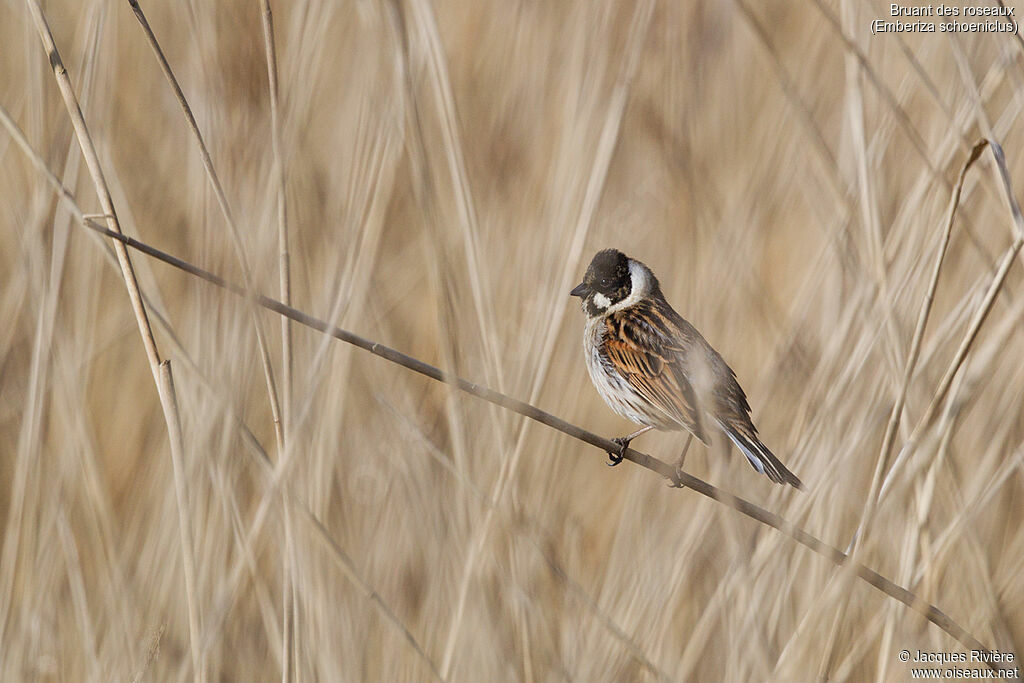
(654, 368)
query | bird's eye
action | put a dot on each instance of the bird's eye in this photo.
(604, 281)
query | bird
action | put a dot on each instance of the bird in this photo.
(654, 368)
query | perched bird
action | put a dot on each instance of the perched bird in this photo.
(654, 368)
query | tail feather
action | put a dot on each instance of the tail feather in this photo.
(762, 459)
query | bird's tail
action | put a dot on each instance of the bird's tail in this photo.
(761, 459)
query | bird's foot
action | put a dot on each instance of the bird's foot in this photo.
(614, 458)
(676, 480)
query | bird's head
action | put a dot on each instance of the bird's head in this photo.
(613, 282)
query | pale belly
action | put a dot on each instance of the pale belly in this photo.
(613, 387)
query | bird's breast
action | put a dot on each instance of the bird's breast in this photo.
(610, 384)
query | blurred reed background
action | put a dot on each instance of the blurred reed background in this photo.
(450, 169)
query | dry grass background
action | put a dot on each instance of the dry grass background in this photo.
(788, 185)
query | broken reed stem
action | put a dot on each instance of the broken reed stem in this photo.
(974, 328)
(682, 479)
(343, 560)
(222, 201)
(165, 384)
(882, 464)
(99, 181)
(288, 591)
(339, 555)
(165, 388)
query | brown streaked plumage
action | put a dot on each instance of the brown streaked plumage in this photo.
(654, 368)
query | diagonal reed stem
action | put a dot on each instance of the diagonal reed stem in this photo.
(222, 202)
(683, 479)
(882, 464)
(160, 369)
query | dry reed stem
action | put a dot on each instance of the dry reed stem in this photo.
(408, 15)
(877, 486)
(284, 277)
(595, 184)
(91, 475)
(882, 89)
(961, 355)
(361, 259)
(218, 190)
(818, 338)
(932, 613)
(167, 399)
(932, 173)
(423, 19)
(883, 477)
(556, 567)
(79, 593)
(943, 544)
(855, 62)
(32, 426)
(348, 568)
(977, 321)
(882, 463)
(284, 265)
(865, 186)
(151, 653)
(415, 18)
(92, 161)
(792, 93)
(272, 392)
(679, 479)
(1016, 34)
(427, 198)
(275, 471)
(929, 85)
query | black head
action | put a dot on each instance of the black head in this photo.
(609, 281)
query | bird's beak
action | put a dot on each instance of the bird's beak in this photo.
(580, 290)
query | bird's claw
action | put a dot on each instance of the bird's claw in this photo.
(615, 458)
(676, 480)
